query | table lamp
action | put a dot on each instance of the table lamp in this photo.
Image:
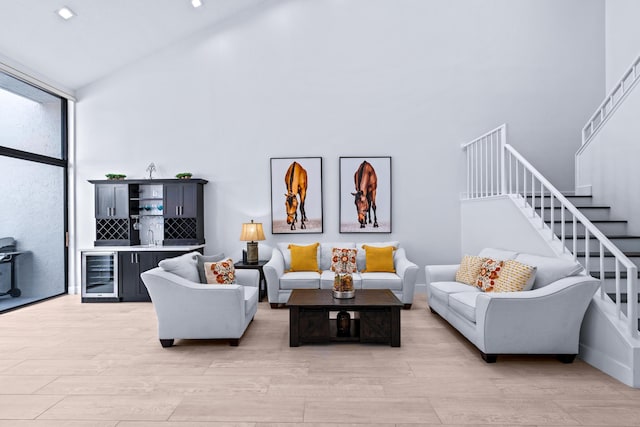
(252, 231)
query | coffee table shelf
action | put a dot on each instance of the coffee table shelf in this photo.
(376, 317)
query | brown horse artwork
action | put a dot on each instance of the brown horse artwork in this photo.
(366, 182)
(296, 181)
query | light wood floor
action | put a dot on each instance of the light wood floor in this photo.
(63, 363)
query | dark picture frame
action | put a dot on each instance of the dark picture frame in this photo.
(357, 218)
(308, 217)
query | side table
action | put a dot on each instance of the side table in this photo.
(262, 285)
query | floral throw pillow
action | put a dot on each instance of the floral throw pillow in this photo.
(343, 260)
(220, 273)
(488, 275)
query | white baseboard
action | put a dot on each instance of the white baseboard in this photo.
(583, 190)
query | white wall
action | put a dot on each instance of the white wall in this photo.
(622, 38)
(610, 157)
(412, 79)
(499, 223)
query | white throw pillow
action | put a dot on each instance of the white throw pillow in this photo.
(549, 269)
(497, 254)
(184, 266)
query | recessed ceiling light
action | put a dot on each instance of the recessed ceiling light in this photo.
(65, 13)
(196, 3)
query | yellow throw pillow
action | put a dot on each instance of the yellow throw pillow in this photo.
(515, 277)
(304, 258)
(469, 268)
(379, 259)
(220, 273)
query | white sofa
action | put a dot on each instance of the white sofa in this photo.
(187, 309)
(280, 282)
(544, 320)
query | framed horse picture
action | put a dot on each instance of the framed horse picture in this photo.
(365, 194)
(296, 195)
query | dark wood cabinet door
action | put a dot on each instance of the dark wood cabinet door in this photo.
(172, 200)
(112, 201)
(128, 271)
(131, 264)
(181, 200)
(189, 200)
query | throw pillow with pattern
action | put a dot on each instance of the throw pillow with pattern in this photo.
(514, 277)
(469, 269)
(343, 260)
(488, 274)
(220, 273)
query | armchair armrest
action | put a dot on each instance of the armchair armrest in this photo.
(272, 272)
(545, 320)
(248, 278)
(441, 273)
(408, 271)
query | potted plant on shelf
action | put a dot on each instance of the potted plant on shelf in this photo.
(115, 176)
(184, 175)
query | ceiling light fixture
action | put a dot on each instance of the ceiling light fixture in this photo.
(196, 3)
(65, 13)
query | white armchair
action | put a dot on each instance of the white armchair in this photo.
(189, 310)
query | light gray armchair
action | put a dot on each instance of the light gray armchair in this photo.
(190, 310)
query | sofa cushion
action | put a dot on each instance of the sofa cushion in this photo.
(304, 258)
(184, 266)
(201, 259)
(499, 254)
(469, 268)
(326, 253)
(379, 259)
(464, 303)
(442, 290)
(381, 281)
(343, 260)
(250, 298)
(549, 269)
(300, 280)
(361, 260)
(326, 280)
(220, 273)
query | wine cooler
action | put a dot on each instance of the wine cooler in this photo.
(99, 276)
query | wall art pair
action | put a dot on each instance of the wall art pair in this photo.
(364, 195)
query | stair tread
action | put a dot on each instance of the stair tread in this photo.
(609, 236)
(610, 255)
(580, 207)
(623, 297)
(594, 221)
(610, 274)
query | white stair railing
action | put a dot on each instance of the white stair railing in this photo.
(495, 168)
(612, 101)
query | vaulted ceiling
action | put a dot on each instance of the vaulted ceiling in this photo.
(104, 36)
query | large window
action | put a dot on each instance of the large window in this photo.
(33, 190)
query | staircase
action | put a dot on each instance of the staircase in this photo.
(500, 180)
(614, 229)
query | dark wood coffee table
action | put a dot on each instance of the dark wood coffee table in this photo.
(376, 318)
